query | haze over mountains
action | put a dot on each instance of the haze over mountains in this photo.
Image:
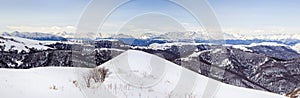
(167, 35)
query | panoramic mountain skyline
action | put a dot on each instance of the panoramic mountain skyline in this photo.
(150, 48)
(237, 17)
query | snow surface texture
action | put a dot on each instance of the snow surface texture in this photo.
(20, 44)
(134, 74)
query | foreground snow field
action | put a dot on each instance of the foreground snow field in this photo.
(133, 74)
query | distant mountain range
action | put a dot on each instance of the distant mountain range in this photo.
(149, 38)
(35, 36)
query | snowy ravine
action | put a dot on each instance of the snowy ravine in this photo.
(127, 74)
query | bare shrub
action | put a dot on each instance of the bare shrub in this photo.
(53, 87)
(75, 83)
(97, 75)
(103, 74)
(294, 94)
(87, 79)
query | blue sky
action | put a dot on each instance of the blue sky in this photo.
(40, 12)
(259, 14)
(32, 14)
(235, 16)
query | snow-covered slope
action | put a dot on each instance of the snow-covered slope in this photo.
(9, 43)
(296, 47)
(39, 83)
(245, 47)
(134, 74)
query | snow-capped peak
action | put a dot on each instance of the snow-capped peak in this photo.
(121, 36)
(148, 36)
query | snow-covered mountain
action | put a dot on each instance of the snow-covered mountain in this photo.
(10, 44)
(179, 35)
(120, 36)
(282, 36)
(228, 38)
(66, 34)
(148, 36)
(223, 38)
(35, 36)
(234, 36)
(172, 36)
(133, 74)
(271, 49)
(267, 36)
